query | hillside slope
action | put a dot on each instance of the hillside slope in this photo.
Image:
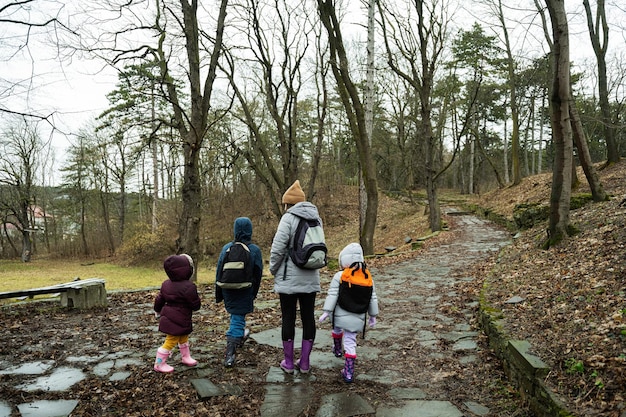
(574, 296)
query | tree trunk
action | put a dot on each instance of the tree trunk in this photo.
(601, 29)
(27, 250)
(369, 105)
(155, 163)
(197, 119)
(561, 127)
(322, 111)
(505, 152)
(501, 184)
(83, 226)
(515, 140)
(189, 226)
(106, 218)
(470, 171)
(580, 139)
(434, 211)
(540, 150)
(355, 112)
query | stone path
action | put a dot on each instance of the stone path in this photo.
(433, 323)
(430, 275)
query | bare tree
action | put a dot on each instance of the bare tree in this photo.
(599, 34)
(561, 126)
(355, 111)
(267, 79)
(417, 46)
(20, 149)
(188, 44)
(322, 102)
(511, 68)
(21, 28)
(579, 136)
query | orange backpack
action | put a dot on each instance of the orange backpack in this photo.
(355, 288)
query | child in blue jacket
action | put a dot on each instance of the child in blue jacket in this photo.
(240, 301)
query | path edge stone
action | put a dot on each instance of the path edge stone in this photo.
(523, 369)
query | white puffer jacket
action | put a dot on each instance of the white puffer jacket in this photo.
(288, 278)
(352, 322)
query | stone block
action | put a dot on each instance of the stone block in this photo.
(88, 295)
(520, 352)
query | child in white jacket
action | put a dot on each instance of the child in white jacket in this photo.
(348, 308)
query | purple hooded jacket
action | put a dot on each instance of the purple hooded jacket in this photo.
(178, 296)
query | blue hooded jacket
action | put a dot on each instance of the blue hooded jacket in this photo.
(241, 301)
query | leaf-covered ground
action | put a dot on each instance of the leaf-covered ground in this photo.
(574, 308)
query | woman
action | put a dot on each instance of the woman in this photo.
(294, 285)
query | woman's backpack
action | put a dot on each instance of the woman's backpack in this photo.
(308, 250)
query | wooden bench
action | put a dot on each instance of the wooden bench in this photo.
(81, 293)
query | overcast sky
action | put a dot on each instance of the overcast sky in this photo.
(76, 91)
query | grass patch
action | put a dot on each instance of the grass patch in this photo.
(17, 275)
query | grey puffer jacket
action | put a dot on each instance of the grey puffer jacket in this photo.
(343, 319)
(288, 278)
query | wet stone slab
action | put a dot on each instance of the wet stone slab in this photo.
(465, 344)
(344, 404)
(421, 408)
(286, 400)
(456, 336)
(5, 409)
(60, 379)
(407, 394)
(425, 335)
(45, 408)
(466, 360)
(385, 377)
(119, 376)
(207, 389)
(83, 359)
(106, 367)
(477, 409)
(103, 368)
(30, 368)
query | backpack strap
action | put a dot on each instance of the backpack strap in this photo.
(364, 325)
(355, 266)
(290, 245)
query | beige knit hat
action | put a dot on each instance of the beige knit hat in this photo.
(294, 194)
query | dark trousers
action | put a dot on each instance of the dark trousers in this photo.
(288, 308)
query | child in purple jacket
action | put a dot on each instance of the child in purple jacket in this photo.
(174, 304)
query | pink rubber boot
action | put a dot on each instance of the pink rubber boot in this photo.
(160, 364)
(186, 356)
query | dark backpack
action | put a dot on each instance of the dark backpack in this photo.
(236, 268)
(308, 249)
(355, 288)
